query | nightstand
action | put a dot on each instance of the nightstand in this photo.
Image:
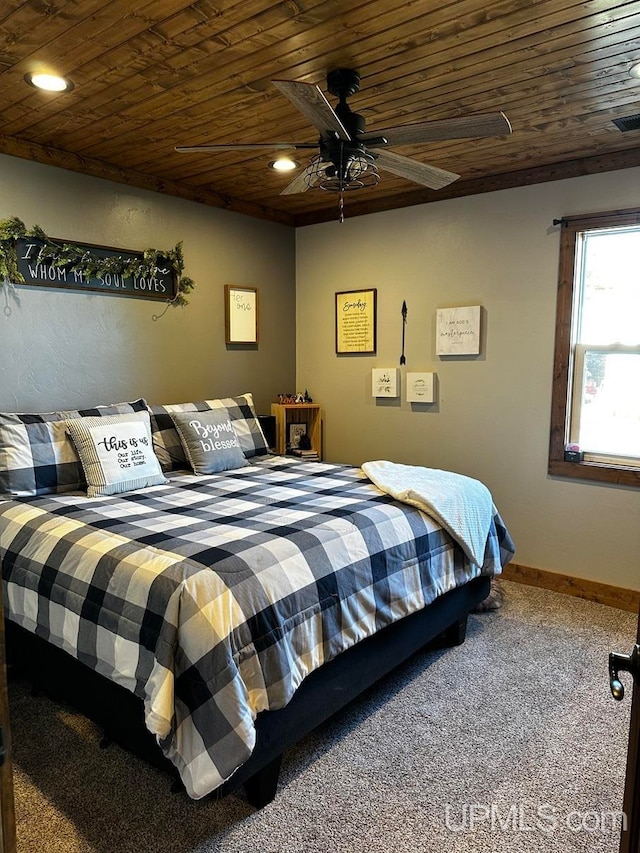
(287, 414)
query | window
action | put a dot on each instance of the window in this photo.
(596, 385)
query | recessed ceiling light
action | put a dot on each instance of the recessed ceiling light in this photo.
(634, 71)
(284, 164)
(48, 82)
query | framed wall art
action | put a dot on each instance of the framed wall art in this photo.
(356, 322)
(420, 388)
(458, 331)
(384, 382)
(240, 314)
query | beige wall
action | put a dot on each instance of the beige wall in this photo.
(67, 349)
(491, 419)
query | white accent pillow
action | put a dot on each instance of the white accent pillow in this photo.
(116, 452)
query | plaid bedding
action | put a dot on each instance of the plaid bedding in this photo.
(213, 597)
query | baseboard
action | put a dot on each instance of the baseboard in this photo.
(602, 593)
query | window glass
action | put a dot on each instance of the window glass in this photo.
(610, 285)
(608, 421)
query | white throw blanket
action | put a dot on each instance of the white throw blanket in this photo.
(462, 505)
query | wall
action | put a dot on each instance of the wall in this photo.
(68, 349)
(491, 419)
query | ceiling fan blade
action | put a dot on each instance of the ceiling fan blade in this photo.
(312, 103)
(302, 182)
(420, 173)
(245, 146)
(462, 127)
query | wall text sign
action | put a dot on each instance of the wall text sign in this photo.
(356, 322)
(159, 284)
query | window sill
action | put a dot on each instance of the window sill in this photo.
(619, 475)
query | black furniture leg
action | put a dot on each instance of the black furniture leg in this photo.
(262, 786)
(455, 634)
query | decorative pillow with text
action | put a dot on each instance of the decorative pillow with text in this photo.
(210, 441)
(116, 453)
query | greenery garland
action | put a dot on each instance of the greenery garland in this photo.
(77, 259)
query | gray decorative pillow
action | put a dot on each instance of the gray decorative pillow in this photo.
(242, 414)
(116, 453)
(37, 456)
(209, 440)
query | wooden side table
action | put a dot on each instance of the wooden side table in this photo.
(297, 413)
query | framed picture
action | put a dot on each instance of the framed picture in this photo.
(458, 331)
(240, 314)
(356, 321)
(295, 431)
(384, 382)
(420, 388)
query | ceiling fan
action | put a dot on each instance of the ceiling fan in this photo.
(348, 156)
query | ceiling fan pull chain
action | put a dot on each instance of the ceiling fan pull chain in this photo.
(341, 178)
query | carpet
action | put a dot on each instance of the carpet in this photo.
(510, 741)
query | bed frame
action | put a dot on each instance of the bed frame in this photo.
(324, 692)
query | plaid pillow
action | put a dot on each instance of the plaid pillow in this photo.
(242, 415)
(37, 457)
(166, 441)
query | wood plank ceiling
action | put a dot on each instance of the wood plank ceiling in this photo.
(151, 75)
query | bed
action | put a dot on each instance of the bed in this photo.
(210, 621)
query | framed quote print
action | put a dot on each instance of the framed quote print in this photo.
(458, 331)
(240, 314)
(356, 321)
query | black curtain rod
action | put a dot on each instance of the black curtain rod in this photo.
(585, 217)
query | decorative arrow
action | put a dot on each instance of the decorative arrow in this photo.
(403, 360)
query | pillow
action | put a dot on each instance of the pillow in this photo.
(166, 441)
(36, 455)
(116, 452)
(245, 422)
(209, 440)
(241, 412)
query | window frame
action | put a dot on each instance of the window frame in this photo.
(563, 364)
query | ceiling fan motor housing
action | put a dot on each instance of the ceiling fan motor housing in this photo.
(343, 82)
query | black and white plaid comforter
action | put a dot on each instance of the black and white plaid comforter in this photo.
(213, 597)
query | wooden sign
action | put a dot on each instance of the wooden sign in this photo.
(160, 285)
(356, 321)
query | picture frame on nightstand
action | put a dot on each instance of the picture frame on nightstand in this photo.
(296, 431)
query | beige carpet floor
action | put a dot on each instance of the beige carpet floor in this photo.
(509, 742)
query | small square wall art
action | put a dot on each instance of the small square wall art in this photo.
(384, 382)
(420, 388)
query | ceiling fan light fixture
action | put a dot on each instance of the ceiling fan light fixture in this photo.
(358, 172)
(634, 71)
(283, 164)
(48, 82)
